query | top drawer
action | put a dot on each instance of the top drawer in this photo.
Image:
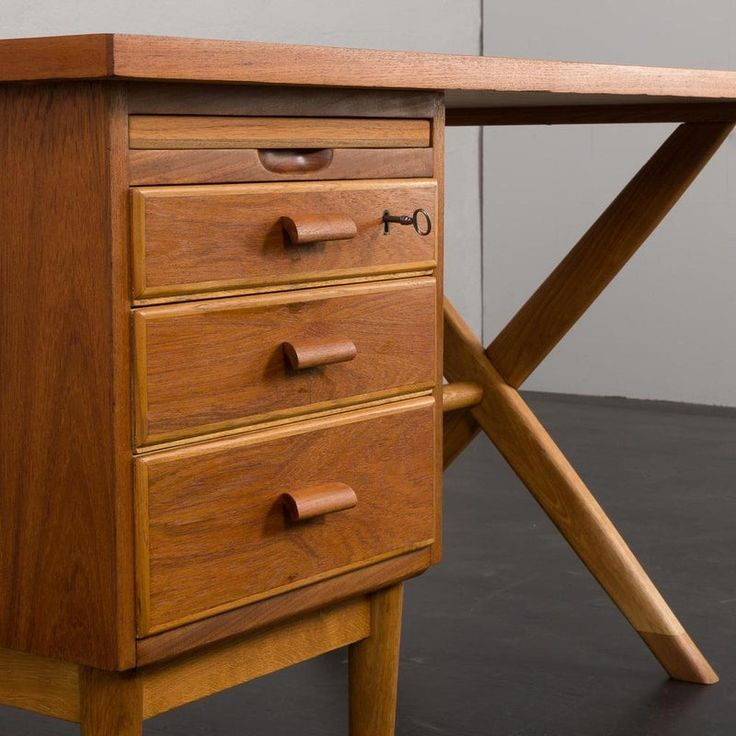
(189, 239)
(219, 131)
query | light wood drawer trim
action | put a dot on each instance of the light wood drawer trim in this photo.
(219, 131)
(223, 166)
(198, 239)
(210, 366)
(213, 536)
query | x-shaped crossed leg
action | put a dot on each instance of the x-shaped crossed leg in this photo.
(485, 395)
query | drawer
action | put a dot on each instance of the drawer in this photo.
(221, 131)
(189, 239)
(218, 364)
(214, 533)
(227, 165)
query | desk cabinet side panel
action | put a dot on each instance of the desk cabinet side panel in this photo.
(65, 590)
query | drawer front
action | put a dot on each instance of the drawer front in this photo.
(189, 239)
(214, 365)
(213, 532)
(226, 165)
(221, 131)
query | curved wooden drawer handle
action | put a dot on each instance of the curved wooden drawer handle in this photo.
(310, 353)
(319, 500)
(316, 228)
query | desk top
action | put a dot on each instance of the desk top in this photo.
(468, 81)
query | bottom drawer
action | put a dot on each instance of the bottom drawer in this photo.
(214, 532)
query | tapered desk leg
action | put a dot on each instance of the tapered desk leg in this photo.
(374, 668)
(111, 703)
(522, 440)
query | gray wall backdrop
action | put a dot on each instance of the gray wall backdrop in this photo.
(665, 329)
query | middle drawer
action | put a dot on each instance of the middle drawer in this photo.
(211, 366)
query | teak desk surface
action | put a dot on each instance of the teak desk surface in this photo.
(88, 124)
(468, 81)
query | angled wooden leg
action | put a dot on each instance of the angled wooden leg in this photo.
(374, 668)
(111, 703)
(604, 250)
(594, 262)
(512, 427)
(459, 429)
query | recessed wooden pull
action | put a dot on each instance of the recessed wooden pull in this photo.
(326, 498)
(316, 228)
(310, 353)
(295, 161)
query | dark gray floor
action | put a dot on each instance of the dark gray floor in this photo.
(510, 635)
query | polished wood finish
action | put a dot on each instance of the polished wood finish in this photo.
(478, 81)
(188, 637)
(56, 57)
(318, 228)
(222, 166)
(374, 668)
(110, 703)
(461, 395)
(66, 498)
(539, 463)
(318, 500)
(210, 238)
(38, 684)
(318, 351)
(211, 366)
(196, 676)
(222, 131)
(228, 587)
(681, 657)
(212, 531)
(604, 250)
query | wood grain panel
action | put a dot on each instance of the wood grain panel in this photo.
(188, 637)
(201, 238)
(189, 678)
(56, 57)
(212, 166)
(209, 366)
(65, 503)
(229, 61)
(221, 131)
(213, 533)
(496, 78)
(41, 685)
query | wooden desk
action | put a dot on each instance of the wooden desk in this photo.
(221, 415)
